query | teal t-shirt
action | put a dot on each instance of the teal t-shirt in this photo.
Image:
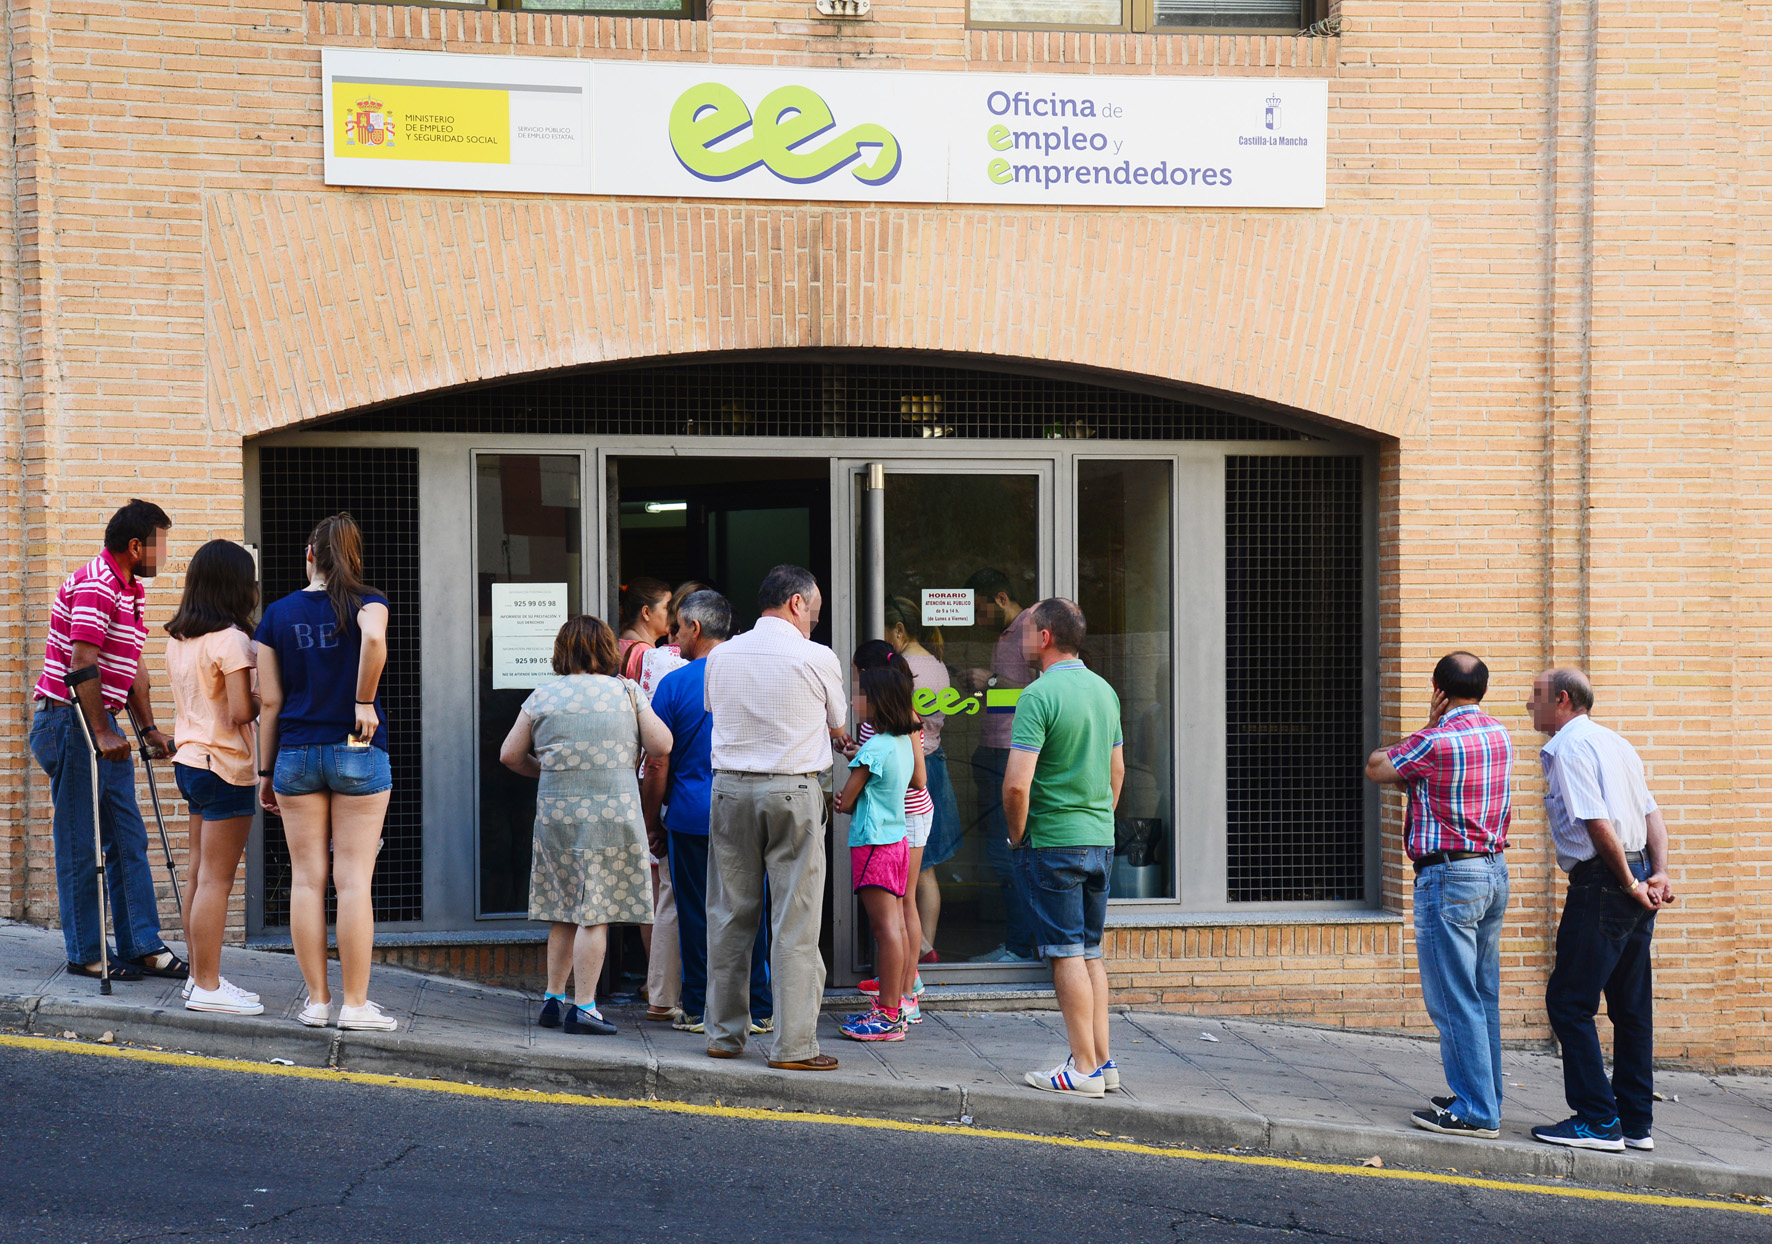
(1071, 716)
(878, 817)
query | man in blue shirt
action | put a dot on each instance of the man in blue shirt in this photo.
(704, 623)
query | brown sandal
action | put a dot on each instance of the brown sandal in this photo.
(818, 1062)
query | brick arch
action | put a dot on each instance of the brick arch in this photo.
(320, 305)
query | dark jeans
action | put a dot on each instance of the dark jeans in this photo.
(988, 764)
(689, 877)
(1603, 947)
(60, 749)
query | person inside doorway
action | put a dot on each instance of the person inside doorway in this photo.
(645, 619)
(921, 650)
(997, 608)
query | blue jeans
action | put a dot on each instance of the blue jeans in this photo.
(1067, 892)
(988, 765)
(1458, 912)
(1603, 947)
(309, 768)
(944, 831)
(689, 878)
(60, 749)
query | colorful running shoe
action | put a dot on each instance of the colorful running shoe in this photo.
(910, 1010)
(871, 986)
(876, 1025)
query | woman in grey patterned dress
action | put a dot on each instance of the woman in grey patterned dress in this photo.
(582, 735)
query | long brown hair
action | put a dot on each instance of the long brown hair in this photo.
(221, 590)
(585, 645)
(337, 543)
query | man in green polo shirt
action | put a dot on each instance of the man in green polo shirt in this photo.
(1060, 789)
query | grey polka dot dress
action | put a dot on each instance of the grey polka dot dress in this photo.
(591, 864)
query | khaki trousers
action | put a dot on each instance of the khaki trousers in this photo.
(664, 959)
(766, 825)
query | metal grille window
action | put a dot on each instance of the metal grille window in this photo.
(297, 488)
(1293, 674)
(813, 400)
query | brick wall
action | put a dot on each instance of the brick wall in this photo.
(1542, 276)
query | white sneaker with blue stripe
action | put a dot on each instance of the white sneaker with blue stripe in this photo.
(1110, 1076)
(1065, 1078)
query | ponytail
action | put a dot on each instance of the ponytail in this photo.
(338, 556)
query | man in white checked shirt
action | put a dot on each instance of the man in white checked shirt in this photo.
(777, 701)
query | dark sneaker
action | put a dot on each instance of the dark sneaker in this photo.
(1638, 1140)
(1448, 1124)
(550, 1013)
(1442, 1103)
(582, 1019)
(1577, 1134)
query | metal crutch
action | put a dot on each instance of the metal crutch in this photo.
(74, 679)
(159, 817)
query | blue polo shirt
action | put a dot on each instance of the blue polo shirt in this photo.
(678, 703)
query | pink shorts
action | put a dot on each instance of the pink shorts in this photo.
(886, 865)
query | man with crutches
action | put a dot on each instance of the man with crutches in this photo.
(93, 656)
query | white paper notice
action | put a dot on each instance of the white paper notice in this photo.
(525, 619)
(948, 606)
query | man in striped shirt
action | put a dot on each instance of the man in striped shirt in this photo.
(1457, 769)
(97, 622)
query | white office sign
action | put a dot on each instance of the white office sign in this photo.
(526, 617)
(947, 606)
(438, 120)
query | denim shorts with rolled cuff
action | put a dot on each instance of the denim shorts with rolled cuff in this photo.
(210, 797)
(311, 768)
(1067, 891)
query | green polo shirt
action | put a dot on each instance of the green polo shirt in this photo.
(1071, 717)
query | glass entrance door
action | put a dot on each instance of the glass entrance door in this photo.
(956, 555)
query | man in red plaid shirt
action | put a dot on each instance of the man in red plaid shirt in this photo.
(1457, 769)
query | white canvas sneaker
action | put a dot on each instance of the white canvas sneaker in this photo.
(316, 1014)
(367, 1017)
(223, 1001)
(227, 986)
(1065, 1078)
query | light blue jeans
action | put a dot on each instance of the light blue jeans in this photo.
(1458, 912)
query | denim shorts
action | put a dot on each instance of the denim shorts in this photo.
(210, 797)
(1067, 891)
(315, 767)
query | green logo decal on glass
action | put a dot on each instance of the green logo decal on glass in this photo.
(786, 120)
(950, 703)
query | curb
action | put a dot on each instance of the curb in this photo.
(623, 1073)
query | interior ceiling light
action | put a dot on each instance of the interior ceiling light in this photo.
(666, 507)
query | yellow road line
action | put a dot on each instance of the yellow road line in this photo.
(171, 1059)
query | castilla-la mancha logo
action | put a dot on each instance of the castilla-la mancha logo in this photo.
(367, 125)
(1272, 121)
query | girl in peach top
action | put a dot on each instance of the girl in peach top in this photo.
(209, 662)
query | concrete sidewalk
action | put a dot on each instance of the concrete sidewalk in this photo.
(1202, 1082)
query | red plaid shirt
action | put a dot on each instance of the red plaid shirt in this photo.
(1460, 798)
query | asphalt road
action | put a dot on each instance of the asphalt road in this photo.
(105, 1149)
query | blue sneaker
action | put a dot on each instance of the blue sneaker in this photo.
(1579, 1134)
(550, 1013)
(876, 1025)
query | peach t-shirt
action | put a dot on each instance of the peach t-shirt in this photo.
(198, 669)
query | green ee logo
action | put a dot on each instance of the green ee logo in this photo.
(950, 703)
(786, 120)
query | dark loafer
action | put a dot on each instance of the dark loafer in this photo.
(818, 1062)
(120, 971)
(579, 1020)
(176, 969)
(550, 1013)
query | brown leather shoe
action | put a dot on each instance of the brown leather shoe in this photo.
(818, 1062)
(715, 1051)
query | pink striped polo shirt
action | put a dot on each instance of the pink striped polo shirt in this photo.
(96, 606)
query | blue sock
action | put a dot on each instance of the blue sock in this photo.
(589, 1010)
(557, 997)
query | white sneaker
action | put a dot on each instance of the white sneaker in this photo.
(316, 1014)
(1110, 1076)
(366, 1017)
(1065, 1078)
(227, 986)
(222, 1000)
